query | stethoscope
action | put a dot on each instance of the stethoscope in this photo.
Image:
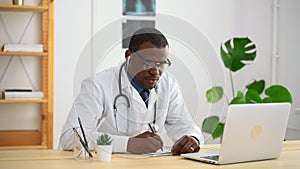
(154, 126)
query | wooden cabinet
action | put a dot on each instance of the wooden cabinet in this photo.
(42, 138)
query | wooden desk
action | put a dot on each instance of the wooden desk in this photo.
(55, 159)
(24, 155)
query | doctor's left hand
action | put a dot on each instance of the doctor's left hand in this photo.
(186, 144)
(144, 143)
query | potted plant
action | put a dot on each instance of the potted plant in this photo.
(235, 53)
(104, 147)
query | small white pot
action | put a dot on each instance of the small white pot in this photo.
(104, 152)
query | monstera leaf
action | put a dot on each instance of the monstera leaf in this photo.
(239, 99)
(277, 93)
(258, 86)
(236, 52)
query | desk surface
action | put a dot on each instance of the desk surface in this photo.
(56, 159)
(22, 155)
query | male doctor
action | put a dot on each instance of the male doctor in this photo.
(134, 97)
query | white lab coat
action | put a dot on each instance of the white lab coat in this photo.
(96, 99)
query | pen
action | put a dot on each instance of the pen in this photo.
(81, 141)
(100, 121)
(85, 140)
(153, 131)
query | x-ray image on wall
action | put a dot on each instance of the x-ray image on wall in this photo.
(139, 7)
(130, 26)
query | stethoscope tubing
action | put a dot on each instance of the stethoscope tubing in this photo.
(127, 99)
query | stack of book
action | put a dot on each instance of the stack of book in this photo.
(23, 48)
(22, 94)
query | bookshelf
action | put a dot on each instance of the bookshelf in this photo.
(42, 138)
(16, 8)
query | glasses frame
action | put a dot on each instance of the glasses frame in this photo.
(157, 65)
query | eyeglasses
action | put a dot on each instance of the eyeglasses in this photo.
(148, 64)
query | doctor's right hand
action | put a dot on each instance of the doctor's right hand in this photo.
(146, 142)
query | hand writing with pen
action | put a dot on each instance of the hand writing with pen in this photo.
(146, 142)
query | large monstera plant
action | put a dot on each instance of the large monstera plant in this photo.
(235, 54)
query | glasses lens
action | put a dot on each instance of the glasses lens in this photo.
(161, 66)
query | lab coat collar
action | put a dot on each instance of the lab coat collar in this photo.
(124, 77)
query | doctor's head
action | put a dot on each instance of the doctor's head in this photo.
(147, 57)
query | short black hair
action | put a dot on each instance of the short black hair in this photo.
(151, 35)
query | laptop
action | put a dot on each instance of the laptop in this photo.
(252, 132)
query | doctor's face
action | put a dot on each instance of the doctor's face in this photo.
(147, 64)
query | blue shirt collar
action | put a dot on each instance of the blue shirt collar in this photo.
(136, 86)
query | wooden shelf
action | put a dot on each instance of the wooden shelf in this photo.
(23, 54)
(43, 137)
(20, 137)
(24, 101)
(17, 8)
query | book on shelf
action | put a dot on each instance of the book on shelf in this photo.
(22, 94)
(23, 48)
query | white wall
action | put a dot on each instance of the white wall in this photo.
(211, 22)
(288, 61)
(72, 31)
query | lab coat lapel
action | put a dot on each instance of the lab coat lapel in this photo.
(152, 98)
(129, 90)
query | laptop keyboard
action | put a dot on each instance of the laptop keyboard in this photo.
(214, 157)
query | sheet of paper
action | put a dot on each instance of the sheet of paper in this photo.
(160, 153)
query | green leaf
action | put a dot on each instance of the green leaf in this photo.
(104, 139)
(210, 124)
(277, 93)
(258, 86)
(214, 94)
(243, 49)
(252, 96)
(239, 99)
(218, 131)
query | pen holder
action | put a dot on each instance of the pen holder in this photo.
(79, 151)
